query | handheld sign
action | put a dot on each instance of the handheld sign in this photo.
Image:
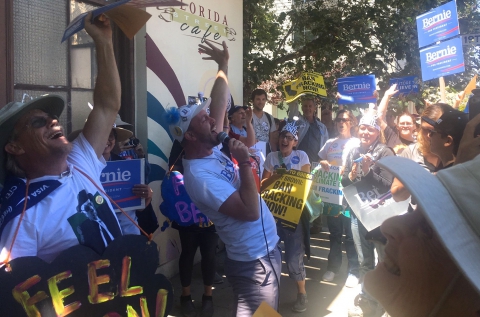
(286, 197)
(373, 205)
(78, 23)
(327, 185)
(406, 85)
(437, 24)
(80, 282)
(357, 89)
(177, 205)
(307, 83)
(443, 59)
(118, 179)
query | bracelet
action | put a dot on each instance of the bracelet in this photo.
(225, 127)
(245, 163)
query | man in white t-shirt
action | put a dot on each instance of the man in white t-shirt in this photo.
(64, 207)
(228, 195)
(263, 123)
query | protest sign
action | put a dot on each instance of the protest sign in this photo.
(118, 179)
(307, 83)
(443, 59)
(327, 185)
(80, 282)
(437, 24)
(286, 197)
(372, 204)
(177, 205)
(128, 18)
(406, 85)
(357, 89)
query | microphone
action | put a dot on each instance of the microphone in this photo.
(223, 138)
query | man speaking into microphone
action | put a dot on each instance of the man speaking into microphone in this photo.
(228, 195)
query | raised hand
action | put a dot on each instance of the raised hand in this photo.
(215, 54)
(100, 30)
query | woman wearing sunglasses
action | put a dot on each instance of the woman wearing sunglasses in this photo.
(296, 243)
(334, 153)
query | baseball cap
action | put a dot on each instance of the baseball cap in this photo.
(235, 109)
(451, 122)
(179, 119)
(449, 200)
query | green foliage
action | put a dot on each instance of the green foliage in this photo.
(341, 38)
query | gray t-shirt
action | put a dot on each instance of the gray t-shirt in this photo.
(311, 143)
(262, 127)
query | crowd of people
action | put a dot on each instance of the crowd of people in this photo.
(424, 262)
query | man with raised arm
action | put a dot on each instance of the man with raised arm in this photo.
(228, 195)
(64, 206)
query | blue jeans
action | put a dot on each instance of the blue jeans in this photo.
(336, 226)
(294, 251)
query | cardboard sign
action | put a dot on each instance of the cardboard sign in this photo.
(118, 179)
(437, 24)
(177, 205)
(128, 18)
(327, 185)
(286, 197)
(406, 85)
(373, 205)
(265, 310)
(307, 83)
(79, 282)
(357, 89)
(443, 59)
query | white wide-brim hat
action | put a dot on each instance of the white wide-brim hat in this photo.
(450, 201)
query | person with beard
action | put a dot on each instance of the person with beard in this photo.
(39, 159)
(227, 194)
(401, 135)
(263, 123)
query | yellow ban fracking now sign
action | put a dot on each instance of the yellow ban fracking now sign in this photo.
(307, 83)
(286, 197)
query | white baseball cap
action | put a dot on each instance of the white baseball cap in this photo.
(449, 200)
(186, 113)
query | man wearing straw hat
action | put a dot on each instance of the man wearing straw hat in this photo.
(50, 199)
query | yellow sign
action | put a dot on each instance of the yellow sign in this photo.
(286, 197)
(471, 86)
(307, 83)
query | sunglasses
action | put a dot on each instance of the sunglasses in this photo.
(37, 122)
(289, 138)
(431, 132)
(342, 120)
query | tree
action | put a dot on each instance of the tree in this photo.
(342, 37)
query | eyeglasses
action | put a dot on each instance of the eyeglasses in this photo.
(405, 124)
(289, 138)
(342, 120)
(431, 132)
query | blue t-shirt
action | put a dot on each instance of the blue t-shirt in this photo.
(209, 182)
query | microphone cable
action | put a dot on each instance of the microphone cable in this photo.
(266, 242)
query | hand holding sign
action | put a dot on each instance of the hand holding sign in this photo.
(99, 29)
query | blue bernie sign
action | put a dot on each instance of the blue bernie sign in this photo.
(437, 24)
(356, 89)
(443, 59)
(118, 179)
(406, 85)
